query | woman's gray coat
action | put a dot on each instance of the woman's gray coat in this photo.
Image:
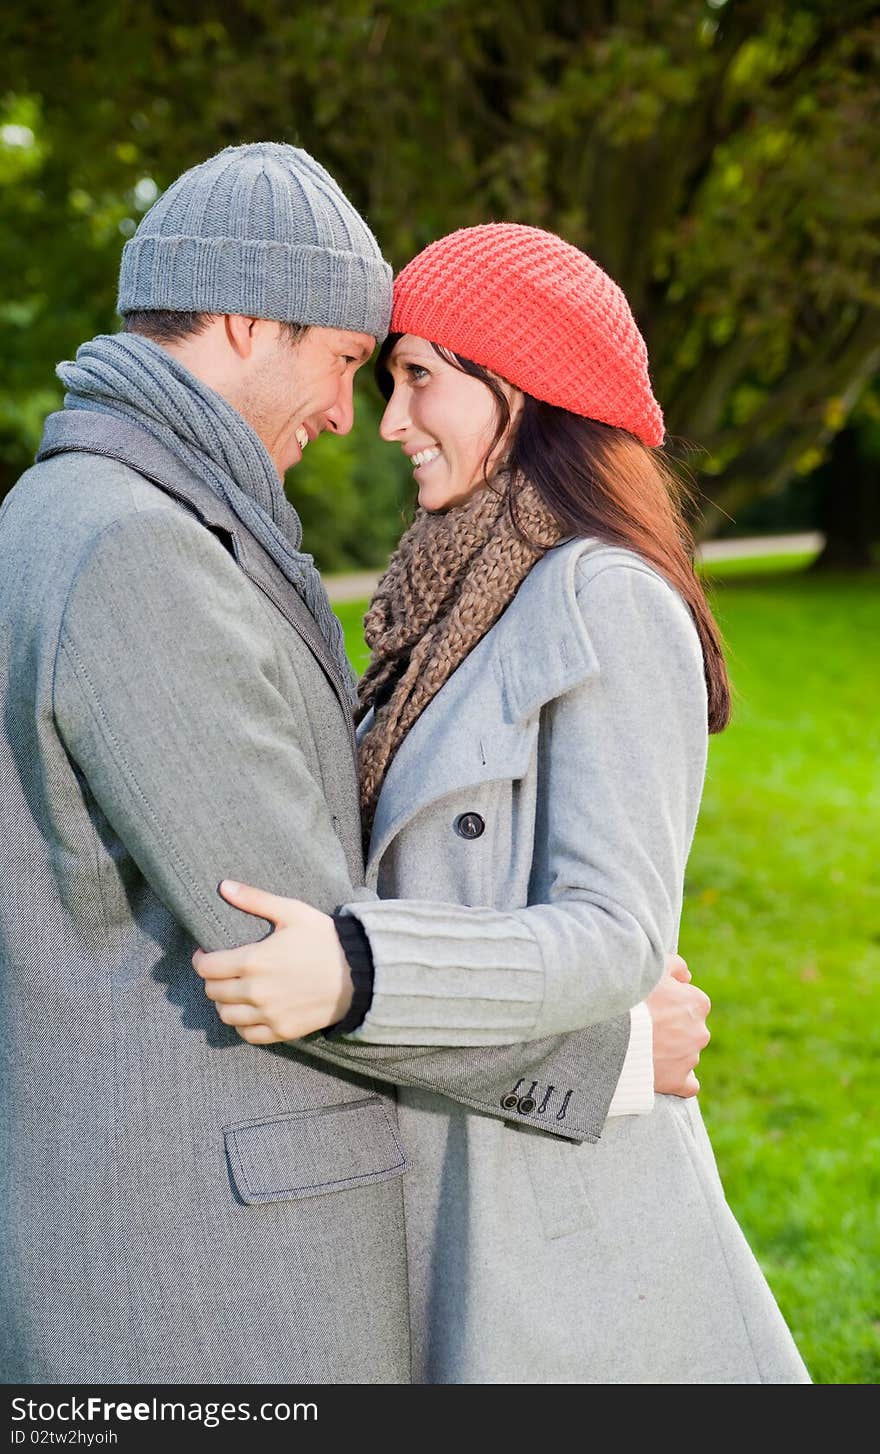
(546, 800)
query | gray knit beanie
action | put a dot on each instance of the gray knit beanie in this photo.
(261, 230)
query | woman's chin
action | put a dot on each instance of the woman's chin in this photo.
(433, 498)
(436, 497)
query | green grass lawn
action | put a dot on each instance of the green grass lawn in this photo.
(351, 614)
(758, 565)
(782, 929)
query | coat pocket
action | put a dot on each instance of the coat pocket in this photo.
(309, 1153)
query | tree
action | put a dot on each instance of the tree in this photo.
(849, 498)
(716, 158)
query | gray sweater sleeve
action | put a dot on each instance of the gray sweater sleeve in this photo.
(166, 696)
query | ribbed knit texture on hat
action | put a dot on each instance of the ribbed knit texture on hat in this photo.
(539, 312)
(262, 230)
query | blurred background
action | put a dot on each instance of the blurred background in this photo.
(720, 161)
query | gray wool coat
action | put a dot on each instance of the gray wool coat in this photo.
(546, 800)
(180, 1206)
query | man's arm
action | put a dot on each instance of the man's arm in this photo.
(167, 696)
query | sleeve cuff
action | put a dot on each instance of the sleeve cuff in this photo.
(634, 1095)
(356, 947)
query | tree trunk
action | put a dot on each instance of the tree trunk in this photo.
(850, 507)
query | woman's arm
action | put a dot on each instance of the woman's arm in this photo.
(287, 987)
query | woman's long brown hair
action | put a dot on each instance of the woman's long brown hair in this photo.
(601, 481)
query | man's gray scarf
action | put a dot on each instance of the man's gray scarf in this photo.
(128, 375)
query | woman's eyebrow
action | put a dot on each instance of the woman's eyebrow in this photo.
(402, 359)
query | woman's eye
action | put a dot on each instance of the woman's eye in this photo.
(417, 373)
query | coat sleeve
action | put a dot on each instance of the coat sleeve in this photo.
(166, 695)
(620, 771)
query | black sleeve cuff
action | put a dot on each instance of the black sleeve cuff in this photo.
(356, 947)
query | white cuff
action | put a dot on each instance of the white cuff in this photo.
(634, 1095)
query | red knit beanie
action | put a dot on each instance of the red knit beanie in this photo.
(538, 312)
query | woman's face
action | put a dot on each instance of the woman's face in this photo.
(444, 420)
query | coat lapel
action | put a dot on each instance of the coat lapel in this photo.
(482, 725)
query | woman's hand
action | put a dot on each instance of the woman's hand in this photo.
(678, 1015)
(285, 986)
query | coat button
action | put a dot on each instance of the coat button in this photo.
(469, 825)
(510, 1102)
(526, 1106)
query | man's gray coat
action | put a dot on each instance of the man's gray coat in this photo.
(180, 1206)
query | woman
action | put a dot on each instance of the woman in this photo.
(533, 742)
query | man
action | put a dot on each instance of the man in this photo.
(180, 1205)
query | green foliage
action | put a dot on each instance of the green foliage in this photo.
(781, 927)
(717, 159)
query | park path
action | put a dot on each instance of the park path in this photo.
(358, 585)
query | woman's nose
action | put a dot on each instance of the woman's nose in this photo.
(395, 419)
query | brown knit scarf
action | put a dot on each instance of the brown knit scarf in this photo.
(447, 583)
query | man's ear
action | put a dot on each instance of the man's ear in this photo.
(240, 332)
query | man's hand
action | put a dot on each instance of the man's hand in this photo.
(678, 1014)
(282, 987)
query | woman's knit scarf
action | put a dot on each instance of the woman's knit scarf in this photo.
(133, 378)
(447, 583)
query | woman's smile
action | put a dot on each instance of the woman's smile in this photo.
(423, 457)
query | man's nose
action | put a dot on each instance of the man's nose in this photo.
(341, 417)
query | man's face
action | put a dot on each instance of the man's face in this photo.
(291, 392)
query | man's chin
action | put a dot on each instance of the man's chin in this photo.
(287, 460)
